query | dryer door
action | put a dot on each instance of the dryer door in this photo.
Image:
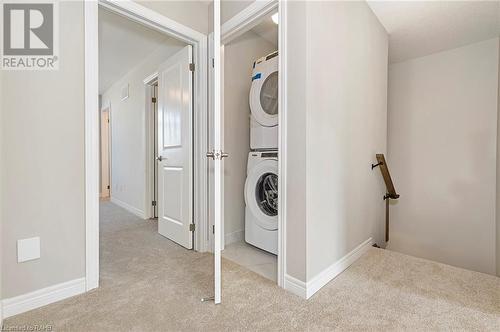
(264, 93)
(261, 193)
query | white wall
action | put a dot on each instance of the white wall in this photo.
(42, 132)
(128, 130)
(442, 155)
(346, 126)
(239, 56)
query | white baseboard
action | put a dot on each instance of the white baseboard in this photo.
(295, 286)
(129, 208)
(39, 298)
(328, 274)
(234, 237)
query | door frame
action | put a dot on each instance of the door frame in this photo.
(233, 28)
(147, 17)
(149, 83)
(105, 109)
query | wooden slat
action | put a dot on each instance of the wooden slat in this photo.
(387, 177)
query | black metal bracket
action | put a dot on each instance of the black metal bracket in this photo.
(376, 165)
(389, 196)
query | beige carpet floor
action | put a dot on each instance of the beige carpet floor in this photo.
(150, 284)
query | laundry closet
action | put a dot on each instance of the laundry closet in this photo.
(250, 136)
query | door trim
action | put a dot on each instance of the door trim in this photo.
(106, 109)
(150, 143)
(154, 20)
(234, 27)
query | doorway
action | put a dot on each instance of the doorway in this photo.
(250, 126)
(230, 30)
(196, 49)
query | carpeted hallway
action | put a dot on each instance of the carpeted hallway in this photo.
(150, 284)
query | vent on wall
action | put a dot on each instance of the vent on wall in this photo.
(124, 92)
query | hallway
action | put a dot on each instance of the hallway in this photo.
(148, 283)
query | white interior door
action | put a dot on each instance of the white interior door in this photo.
(175, 176)
(217, 154)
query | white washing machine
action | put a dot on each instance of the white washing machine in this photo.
(261, 200)
(264, 103)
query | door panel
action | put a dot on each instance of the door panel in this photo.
(175, 176)
(218, 150)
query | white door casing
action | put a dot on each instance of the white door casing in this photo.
(175, 175)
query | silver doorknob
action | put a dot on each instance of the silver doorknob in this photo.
(159, 158)
(217, 155)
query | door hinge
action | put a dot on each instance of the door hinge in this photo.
(153, 100)
(108, 187)
(191, 67)
(108, 120)
(153, 203)
(192, 227)
(213, 229)
(213, 63)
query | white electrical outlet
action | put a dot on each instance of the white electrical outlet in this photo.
(28, 249)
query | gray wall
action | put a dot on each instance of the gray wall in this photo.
(238, 60)
(1, 191)
(193, 14)
(43, 157)
(346, 125)
(337, 116)
(497, 211)
(296, 141)
(229, 8)
(443, 153)
(43, 165)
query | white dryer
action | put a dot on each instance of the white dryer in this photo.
(261, 200)
(264, 103)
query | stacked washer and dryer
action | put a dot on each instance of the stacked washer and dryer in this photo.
(261, 186)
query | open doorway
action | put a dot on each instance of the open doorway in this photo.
(150, 67)
(250, 137)
(151, 153)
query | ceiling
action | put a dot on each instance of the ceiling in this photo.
(418, 28)
(267, 29)
(123, 44)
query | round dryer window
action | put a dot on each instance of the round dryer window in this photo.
(266, 194)
(269, 94)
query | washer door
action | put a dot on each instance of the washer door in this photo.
(264, 93)
(261, 193)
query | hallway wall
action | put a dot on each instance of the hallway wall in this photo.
(346, 126)
(43, 188)
(442, 155)
(337, 117)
